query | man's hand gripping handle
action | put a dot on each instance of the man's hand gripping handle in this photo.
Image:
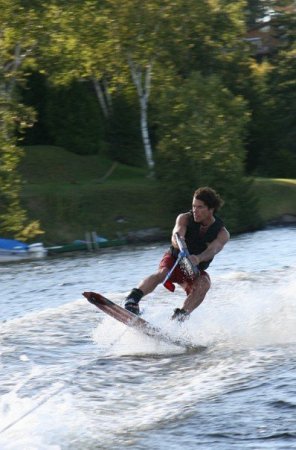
(182, 254)
(185, 253)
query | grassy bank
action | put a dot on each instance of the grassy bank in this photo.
(276, 197)
(72, 194)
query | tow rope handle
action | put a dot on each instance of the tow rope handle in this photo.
(182, 254)
(185, 254)
(167, 282)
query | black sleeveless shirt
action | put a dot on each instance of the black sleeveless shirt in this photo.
(196, 241)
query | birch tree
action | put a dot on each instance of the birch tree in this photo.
(162, 39)
(110, 45)
(138, 28)
(113, 43)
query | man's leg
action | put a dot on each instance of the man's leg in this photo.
(198, 292)
(195, 297)
(150, 283)
(145, 287)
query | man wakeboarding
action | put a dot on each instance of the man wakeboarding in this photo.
(204, 235)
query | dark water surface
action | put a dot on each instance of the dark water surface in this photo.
(71, 378)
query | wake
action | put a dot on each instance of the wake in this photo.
(241, 310)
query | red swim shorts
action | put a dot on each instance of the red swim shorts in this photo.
(178, 276)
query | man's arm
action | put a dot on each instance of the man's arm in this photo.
(213, 248)
(180, 227)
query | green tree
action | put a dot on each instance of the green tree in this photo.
(260, 139)
(74, 119)
(282, 158)
(85, 47)
(271, 140)
(17, 45)
(202, 127)
(160, 39)
(13, 218)
(105, 43)
(142, 42)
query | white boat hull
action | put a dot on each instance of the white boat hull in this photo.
(34, 251)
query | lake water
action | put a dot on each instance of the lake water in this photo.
(72, 378)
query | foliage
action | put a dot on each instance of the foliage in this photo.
(114, 45)
(123, 134)
(206, 36)
(74, 119)
(283, 108)
(260, 139)
(202, 120)
(202, 125)
(271, 142)
(34, 94)
(13, 217)
(17, 43)
(193, 59)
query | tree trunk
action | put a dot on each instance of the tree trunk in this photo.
(142, 84)
(103, 96)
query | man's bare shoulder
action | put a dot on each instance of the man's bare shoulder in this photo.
(183, 218)
(224, 234)
(181, 225)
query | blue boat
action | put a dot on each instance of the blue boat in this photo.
(13, 250)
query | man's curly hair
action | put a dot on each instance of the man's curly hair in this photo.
(210, 197)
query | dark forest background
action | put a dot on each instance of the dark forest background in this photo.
(202, 89)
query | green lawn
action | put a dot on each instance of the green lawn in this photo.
(71, 194)
(276, 197)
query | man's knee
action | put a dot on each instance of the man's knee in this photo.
(203, 283)
(161, 274)
(158, 276)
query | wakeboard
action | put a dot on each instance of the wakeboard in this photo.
(132, 320)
